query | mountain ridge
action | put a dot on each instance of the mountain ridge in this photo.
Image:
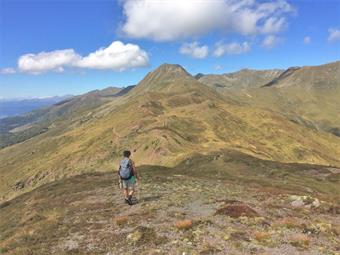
(162, 121)
(326, 76)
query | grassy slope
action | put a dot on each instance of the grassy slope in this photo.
(246, 78)
(309, 95)
(160, 126)
(85, 214)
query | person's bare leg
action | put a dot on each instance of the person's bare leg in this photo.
(126, 193)
(132, 191)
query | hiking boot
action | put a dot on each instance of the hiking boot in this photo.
(130, 200)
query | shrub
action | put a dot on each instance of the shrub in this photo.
(288, 222)
(261, 236)
(121, 220)
(184, 224)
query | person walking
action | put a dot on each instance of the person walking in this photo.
(128, 175)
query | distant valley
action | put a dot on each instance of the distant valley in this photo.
(13, 107)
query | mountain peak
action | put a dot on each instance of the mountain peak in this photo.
(173, 70)
(169, 78)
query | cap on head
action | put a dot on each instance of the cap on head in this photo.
(127, 153)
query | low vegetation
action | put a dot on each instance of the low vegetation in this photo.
(177, 211)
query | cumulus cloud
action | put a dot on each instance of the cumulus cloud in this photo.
(270, 41)
(7, 70)
(273, 25)
(47, 61)
(170, 20)
(117, 57)
(231, 48)
(333, 34)
(307, 40)
(194, 50)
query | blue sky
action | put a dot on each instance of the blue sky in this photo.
(69, 47)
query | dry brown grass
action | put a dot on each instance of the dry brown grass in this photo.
(288, 222)
(184, 224)
(261, 236)
(300, 240)
(121, 220)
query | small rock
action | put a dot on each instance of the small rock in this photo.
(71, 245)
(226, 237)
(135, 236)
(19, 185)
(316, 203)
(297, 203)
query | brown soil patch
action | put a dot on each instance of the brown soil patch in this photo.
(237, 210)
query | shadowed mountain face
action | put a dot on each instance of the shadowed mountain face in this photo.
(166, 118)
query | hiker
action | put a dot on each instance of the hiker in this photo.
(127, 173)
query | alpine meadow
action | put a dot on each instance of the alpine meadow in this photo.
(226, 114)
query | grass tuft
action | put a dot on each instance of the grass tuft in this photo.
(184, 224)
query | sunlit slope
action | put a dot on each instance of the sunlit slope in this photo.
(164, 119)
(85, 214)
(245, 78)
(325, 76)
(307, 95)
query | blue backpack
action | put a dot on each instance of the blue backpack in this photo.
(125, 169)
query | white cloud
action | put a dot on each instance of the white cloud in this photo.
(270, 41)
(170, 20)
(307, 40)
(231, 48)
(118, 57)
(273, 25)
(333, 34)
(194, 50)
(47, 61)
(7, 70)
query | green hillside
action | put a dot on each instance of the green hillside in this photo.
(308, 95)
(166, 118)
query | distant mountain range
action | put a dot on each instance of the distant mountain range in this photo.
(18, 106)
(169, 116)
(307, 95)
(246, 78)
